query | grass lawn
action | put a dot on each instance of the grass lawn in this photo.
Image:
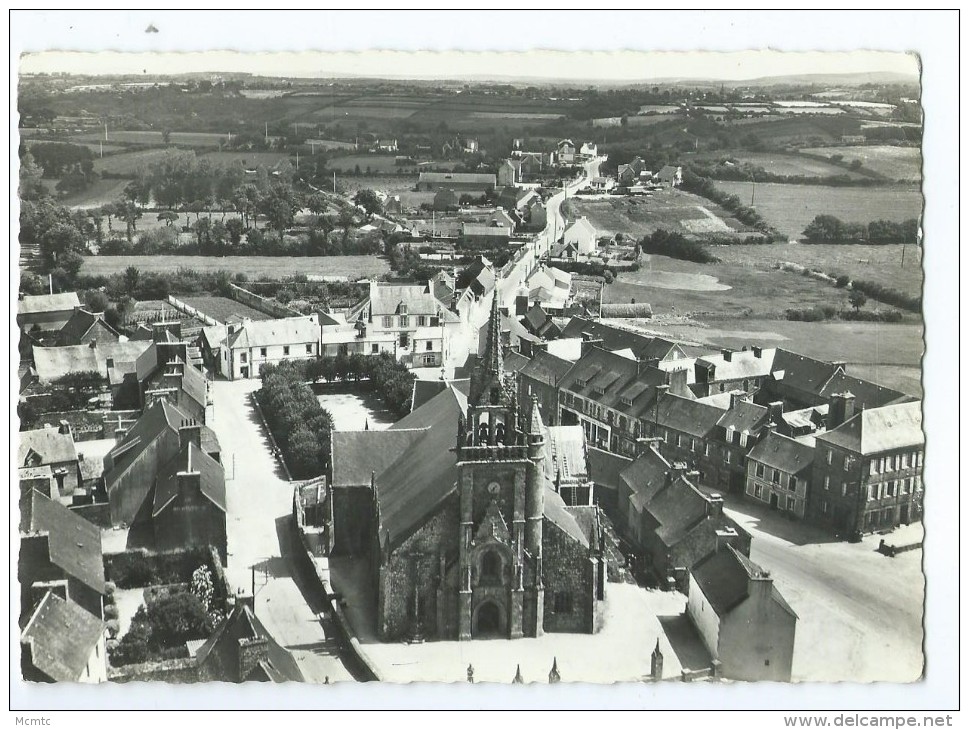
(353, 267)
(222, 308)
(789, 208)
(881, 264)
(895, 163)
(673, 210)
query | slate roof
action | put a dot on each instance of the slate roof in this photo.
(79, 324)
(876, 430)
(358, 454)
(545, 368)
(54, 362)
(624, 381)
(687, 416)
(51, 446)
(744, 416)
(867, 394)
(514, 361)
(387, 299)
(742, 364)
(810, 418)
(615, 338)
(62, 637)
(780, 452)
(40, 303)
(214, 336)
(219, 655)
(645, 476)
(801, 372)
(190, 459)
(409, 489)
(565, 453)
(606, 467)
(74, 543)
(724, 576)
(269, 332)
(581, 225)
(563, 517)
(424, 390)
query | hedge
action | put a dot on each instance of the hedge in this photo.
(141, 568)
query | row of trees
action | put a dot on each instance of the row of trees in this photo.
(829, 229)
(677, 246)
(298, 422)
(699, 185)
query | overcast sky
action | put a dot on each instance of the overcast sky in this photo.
(578, 65)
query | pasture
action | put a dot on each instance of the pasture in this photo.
(895, 163)
(98, 194)
(373, 163)
(789, 208)
(248, 159)
(222, 308)
(788, 164)
(142, 137)
(129, 163)
(882, 264)
(274, 267)
(800, 128)
(672, 210)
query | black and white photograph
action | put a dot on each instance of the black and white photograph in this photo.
(339, 370)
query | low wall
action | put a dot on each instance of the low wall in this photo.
(192, 311)
(892, 550)
(262, 304)
(320, 584)
(175, 671)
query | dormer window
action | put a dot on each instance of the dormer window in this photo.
(626, 401)
(402, 309)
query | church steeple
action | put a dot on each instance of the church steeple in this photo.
(493, 355)
(489, 385)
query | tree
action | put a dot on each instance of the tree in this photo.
(202, 587)
(234, 229)
(177, 618)
(368, 200)
(169, 216)
(131, 279)
(857, 299)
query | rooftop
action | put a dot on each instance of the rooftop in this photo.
(40, 303)
(74, 543)
(780, 452)
(62, 636)
(875, 430)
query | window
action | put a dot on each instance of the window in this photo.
(243, 357)
(743, 438)
(679, 441)
(262, 351)
(827, 482)
(402, 309)
(905, 461)
(746, 384)
(792, 483)
(830, 458)
(692, 444)
(388, 322)
(430, 346)
(490, 568)
(790, 504)
(776, 477)
(309, 349)
(374, 348)
(285, 349)
(824, 506)
(721, 387)
(903, 486)
(726, 456)
(422, 321)
(706, 449)
(758, 491)
(403, 321)
(873, 467)
(847, 462)
(844, 488)
(562, 603)
(890, 489)
(918, 483)
(872, 491)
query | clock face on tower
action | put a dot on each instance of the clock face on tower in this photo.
(494, 488)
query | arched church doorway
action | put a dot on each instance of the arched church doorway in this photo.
(488, 623)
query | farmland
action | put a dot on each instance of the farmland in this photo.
(128, 163)
(352, 267)
(788, 164)
(801, 128)
(673, 210)
(222, 308)
(374, 163)
(185, 139)
(881, 264)
(789, 208)
(391, 185)
(101, 192)
(894, 163)
(246, 158)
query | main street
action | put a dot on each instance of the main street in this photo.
(859, 612)
(261, 541)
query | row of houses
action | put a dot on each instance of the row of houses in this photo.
(798, 434)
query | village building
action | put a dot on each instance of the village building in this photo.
(488, 235)
(46, 312)
(588, 150)
(534, 216)
(84, 327)
(634, 345)
(462, 182)
(565, 152)
(470, 538)
(551, 288)
(742, 618)
(163, 372)
(539, 323)
(251, 344)
(732, 370)
(113, 361)
(779, 473)
(517, 200)
(867, 473)
(670, 175)
(63, 643)
(51, 447)
(159, 439)
(672, 522)
(581, 234)
(61, 552)
(242, 650)
(539, 379)
(508, 172)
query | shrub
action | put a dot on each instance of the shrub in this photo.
(677, 246)
(608, 276)
(110, 611)
(177, 618)
(842, 281)
(112, 627)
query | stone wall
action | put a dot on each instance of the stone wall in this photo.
(352, 520)
(567, 569)
(262, 304)
(174, 671)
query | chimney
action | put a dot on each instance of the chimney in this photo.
(64, 427)
(757, 351)
(775, 412)
(190, 432)
(643, 365)
(841, 407)
(588, 343)
(724, 536)
(842, 364)
(521, 305)
(677, 379)
(677, 470)
(727, 354)
(251, 652)
(715, 508)
(736, 397)
(704, 372)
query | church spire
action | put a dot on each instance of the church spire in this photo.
(493, 356)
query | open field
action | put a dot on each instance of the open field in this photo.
(247, 159)
(787, 164)
(800, 128)
(375, 163)
(881, 264)
(101, 192)
(895, 163)
(673, 210)
(128, 163)
(223, 308)
(391, 185)
(789, 208)
(185, 139)
(354, 267)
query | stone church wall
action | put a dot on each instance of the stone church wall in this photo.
(568, 569)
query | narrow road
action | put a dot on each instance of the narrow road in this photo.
(261, 540)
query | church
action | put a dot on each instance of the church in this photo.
(469, 535)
